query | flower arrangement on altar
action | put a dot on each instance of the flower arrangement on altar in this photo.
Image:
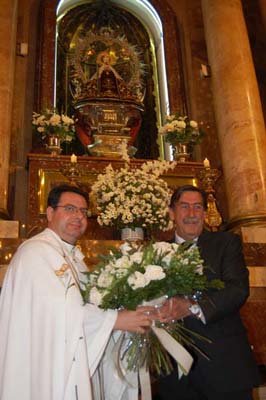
(136, 274)
(50, 122)
(133, 197)
(180, 129)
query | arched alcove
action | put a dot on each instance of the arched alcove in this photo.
(137, 26)
(155, 19)
(151, 21)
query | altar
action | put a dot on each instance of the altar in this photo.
(46, 171)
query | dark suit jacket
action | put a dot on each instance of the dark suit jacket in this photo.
(231, 365)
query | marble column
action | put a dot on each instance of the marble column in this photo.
(262, 7)
(8, 30)
(238, 111)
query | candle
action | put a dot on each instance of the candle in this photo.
(73, 158)
(206, 163)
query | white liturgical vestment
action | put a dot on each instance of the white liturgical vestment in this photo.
(50, 342)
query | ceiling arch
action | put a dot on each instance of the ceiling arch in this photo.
(142, 9)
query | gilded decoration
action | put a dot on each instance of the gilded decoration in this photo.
(46, 172)
(107, 90)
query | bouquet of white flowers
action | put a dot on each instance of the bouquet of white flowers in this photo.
(133, 197)
(133, 274)
(51, 123)
(180, 129)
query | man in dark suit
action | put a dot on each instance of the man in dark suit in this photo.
(231, 372)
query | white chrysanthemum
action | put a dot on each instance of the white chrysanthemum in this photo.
(125, 197)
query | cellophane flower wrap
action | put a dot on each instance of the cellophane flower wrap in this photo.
(134, 274)
(180, 129)
(134, 197)
(50, 122)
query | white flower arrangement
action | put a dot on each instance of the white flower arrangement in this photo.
(50, 122)
(134, 197)
(136, 274)
(180, 129)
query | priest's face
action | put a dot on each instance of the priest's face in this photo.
(69, 218)
(188, 214)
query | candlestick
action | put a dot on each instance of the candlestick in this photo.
(206, 163)
(207, 177)
(73, 158)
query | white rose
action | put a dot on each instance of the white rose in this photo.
(162, 130)
(105, 279)
(55, 120)
(199, 269)
(136, 257)
(170, 117)
(180, 124)
(125, 248)
(137, 280)
(122, 262)
(68, 138)
(193, 124)
(162, 247)
(167, 259)
(154, 273)
(95, 296)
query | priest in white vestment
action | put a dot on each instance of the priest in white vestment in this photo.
(50, 342)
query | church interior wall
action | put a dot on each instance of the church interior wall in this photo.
(189, 91)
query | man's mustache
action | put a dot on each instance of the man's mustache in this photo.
(191, 220)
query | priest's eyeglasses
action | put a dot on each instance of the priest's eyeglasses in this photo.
(70, 209)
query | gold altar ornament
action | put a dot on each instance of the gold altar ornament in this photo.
(107, 91)
(208, 176)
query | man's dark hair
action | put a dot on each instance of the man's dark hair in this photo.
(57, 191)
(188, 188)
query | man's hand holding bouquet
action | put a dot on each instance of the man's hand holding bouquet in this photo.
(148, 274)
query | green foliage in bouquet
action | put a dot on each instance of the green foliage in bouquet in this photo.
(137, 274)
(133, 274)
